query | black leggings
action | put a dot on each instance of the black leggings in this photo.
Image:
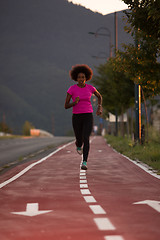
(82, 126)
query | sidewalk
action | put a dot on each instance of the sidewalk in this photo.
(96, 204)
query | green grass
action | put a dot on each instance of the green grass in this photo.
(148, 153)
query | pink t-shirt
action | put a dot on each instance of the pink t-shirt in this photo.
(84, 105)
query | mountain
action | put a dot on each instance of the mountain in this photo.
(40, 41)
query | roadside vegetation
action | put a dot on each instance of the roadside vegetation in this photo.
(148, 153)
(6, 131)
(10, 136)
(136, 64)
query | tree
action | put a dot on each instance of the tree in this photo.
(144, 15)
(115, 86)
(141, 61)
(4, 128)
(26, 128)
(140, 67)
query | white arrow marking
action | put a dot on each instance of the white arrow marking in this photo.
(31, 210)
(154, 204)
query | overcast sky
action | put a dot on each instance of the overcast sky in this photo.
(102, 6)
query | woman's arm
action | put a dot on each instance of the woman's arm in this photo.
(67, 101)
(99, 96)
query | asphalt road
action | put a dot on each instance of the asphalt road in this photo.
(53, 199)
(14, 151)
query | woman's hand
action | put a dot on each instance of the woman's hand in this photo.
(67, 101)
(99, 110)
(76, 100)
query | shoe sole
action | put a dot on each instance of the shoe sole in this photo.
(83, 167)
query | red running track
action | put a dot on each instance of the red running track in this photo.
(97, 204)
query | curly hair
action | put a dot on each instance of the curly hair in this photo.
(81, 68)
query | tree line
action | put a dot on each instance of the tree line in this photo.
(4, 128)
(137, 63)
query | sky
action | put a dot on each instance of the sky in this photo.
(102, 6)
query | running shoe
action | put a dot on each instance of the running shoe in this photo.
(80, 150)
(84, 165)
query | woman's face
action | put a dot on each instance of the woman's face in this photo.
(81, 79)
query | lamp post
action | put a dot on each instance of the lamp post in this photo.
(116, 48)
(137, 104)
(108, 34)
(101, 55)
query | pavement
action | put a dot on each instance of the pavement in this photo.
(16, 150)
(52, 198)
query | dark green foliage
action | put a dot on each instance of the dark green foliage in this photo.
(148, 153)
(142, 58)
(116, 88)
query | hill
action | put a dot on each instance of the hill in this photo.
(40, 41)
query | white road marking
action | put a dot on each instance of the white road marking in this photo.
(83, 170)
(97, 209)
(92, 139)
(104, 224)
(83, 181)
(83, 185)
(31, 166)
(113, 238)
(32, 210)
(152, 203)
(85, 191)
(89, 199)
(140, 164)
(82, 177)
(82, 174)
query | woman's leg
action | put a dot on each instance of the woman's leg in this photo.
(87, 129)
(77, 127)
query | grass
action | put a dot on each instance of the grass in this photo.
(148, 153)
(10, 137)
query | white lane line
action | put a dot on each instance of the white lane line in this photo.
(92, 139)
(82, 174)
(82, 177)
(140, 164)
(83, 181)
(31, 166)
(85, 191)
(83, 185)
(90, 199)
(97, 209)
(113, 238)
(104, 224)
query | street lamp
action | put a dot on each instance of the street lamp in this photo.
(108, 34)
(101, 55)
(137, 104)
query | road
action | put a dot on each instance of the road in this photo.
(53, 199)
(14, 150)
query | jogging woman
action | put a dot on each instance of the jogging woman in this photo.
(82, 119)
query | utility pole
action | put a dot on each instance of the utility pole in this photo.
(136, 113)
(137, 106)
(53, 124)
(116, 31)
(116, 47)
